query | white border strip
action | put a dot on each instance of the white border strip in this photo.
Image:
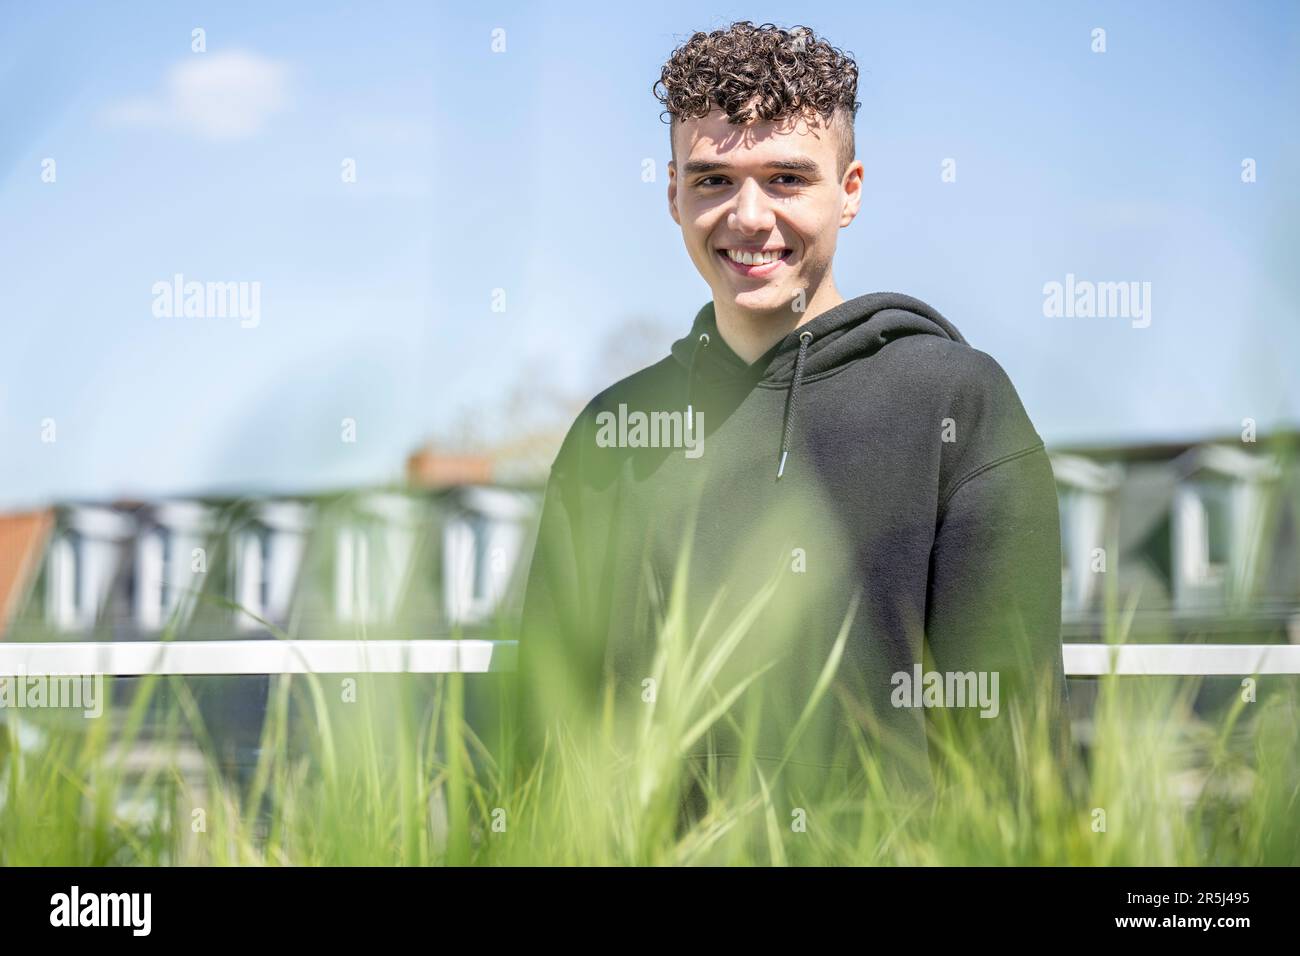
(256, 657)
(1094, 660)
(480, 657)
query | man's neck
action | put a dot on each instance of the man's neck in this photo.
(751, 334)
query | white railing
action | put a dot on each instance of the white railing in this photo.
(1091, 660)
(256, 657)
(479, 657)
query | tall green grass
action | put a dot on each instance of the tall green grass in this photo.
(401, 777)
(424, 770)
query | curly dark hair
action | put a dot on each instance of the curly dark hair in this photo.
(762, 72)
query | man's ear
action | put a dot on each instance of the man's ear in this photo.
(672, 192)
(852, 187)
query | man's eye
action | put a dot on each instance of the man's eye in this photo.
(795, 180)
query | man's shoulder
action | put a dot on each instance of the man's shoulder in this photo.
(655, 387)
(980, 415)
(957, 366)
(654, 383)
(935, 375)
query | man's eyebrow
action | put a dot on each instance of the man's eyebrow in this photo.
(800, 164)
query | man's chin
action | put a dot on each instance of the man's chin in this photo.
(763, 301)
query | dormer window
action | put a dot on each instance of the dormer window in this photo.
(268, 551)
(65, 589)
(482, 546)
(1085, 493)
(1206, 517)
(252, 576)
(1218, 511)
(353, 589)
(373, 553)
(167, 576)
(84, 557)
(155, 595)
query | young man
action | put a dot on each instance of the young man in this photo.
(850, 474)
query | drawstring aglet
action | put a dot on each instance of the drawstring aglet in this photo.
(805, 339)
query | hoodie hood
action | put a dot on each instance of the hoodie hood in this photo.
(852, 330)
(887, 546)
(849, 331)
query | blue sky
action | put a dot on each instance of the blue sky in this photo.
(522, 170)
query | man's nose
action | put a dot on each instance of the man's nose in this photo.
(753, 213)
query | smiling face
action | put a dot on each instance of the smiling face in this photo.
(761, 206)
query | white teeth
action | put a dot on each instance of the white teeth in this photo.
(754, 258)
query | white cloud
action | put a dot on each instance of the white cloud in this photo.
(217, 96)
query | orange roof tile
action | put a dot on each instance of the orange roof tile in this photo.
(22, 541)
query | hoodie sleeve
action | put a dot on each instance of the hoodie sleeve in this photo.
(557, 658)
(994, 598)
